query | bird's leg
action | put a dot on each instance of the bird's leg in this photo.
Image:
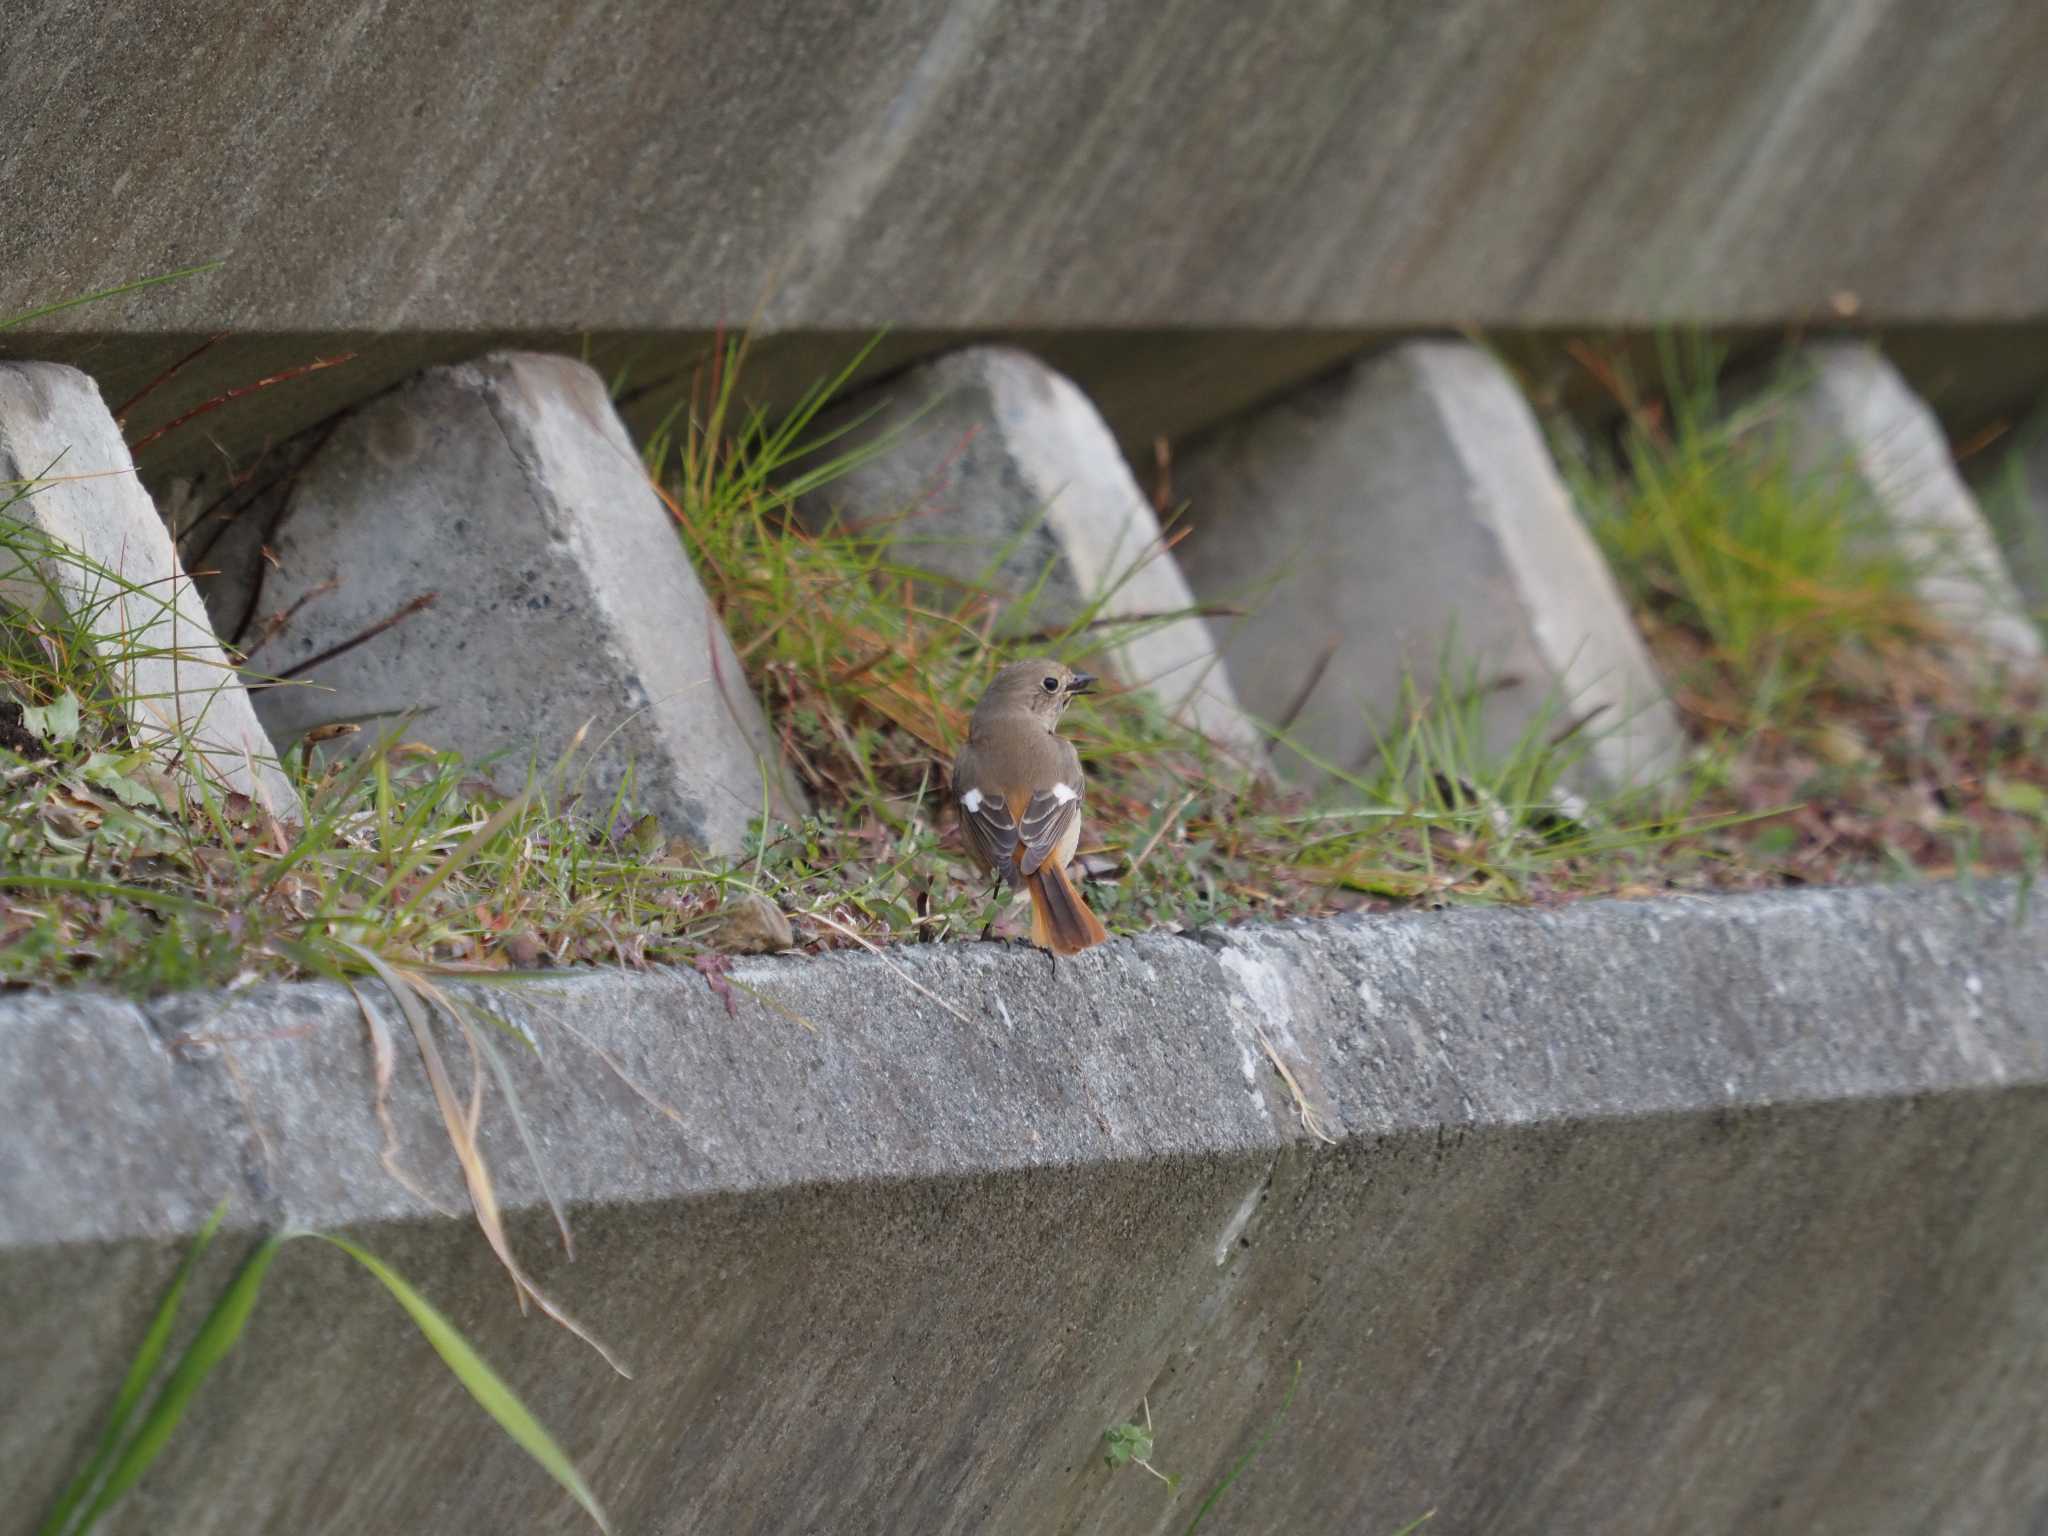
(988, 929)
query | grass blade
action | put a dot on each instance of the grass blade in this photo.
(106, 293)
(217, 1335)
(141, 1371)
(411, 994)
(1246, 1459)
(480, 1381)
(457, 1009)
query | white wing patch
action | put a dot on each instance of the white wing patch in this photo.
(1064, 794)
(972, 801)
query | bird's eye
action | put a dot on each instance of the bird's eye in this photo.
(1052, 685)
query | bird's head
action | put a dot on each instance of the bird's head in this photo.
(1043, 688)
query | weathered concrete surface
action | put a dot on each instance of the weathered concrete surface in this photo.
(999, 472)
(96, 556)
(1669, 1217)
(955, 165)
(509, 492)
(1848, 411)
(1406, 506)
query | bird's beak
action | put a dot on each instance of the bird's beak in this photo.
(1082, 683)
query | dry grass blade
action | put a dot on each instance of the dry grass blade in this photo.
(909, 980)
(1310, 1120)
(461, 1127)
(455, 1008)
(228, 397)
(619, 1071)
(383, 1062)
(1166, 824)
(362, 637)
(772, 1005)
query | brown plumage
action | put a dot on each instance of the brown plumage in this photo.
(1018, 788)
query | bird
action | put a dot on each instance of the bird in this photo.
(1017, 785)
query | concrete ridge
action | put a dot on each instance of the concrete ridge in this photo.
(126, 1120)
(1668, 1216)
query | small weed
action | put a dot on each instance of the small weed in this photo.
(1130, 1444)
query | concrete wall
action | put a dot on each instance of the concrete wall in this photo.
(1663, 1217)
(419, 186)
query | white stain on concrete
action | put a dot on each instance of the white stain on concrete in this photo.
(1241, 1218)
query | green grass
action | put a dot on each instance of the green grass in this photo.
(1827, 704)
(1786, 627)
(9, 322)
(1758, 590)
(2010, 498)
(870, 667)
(151, 1402)
(1713, 532)
(117, 871)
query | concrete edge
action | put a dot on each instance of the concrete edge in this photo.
(126, 1120)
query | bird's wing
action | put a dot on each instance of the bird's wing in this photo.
(1046, 820)
(987, 821)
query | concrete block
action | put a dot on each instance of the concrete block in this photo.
(104, 558)
(1004, 472)
(1848, 409)
(1407, 504)
(562, 594)
(1655, 1217)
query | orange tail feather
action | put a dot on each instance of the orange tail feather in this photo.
(1060, 919)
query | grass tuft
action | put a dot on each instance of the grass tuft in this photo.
(1774, 572)
(1758, 590)
(870, 666)
(1835, 736)
(141, 1421)
(1842, 731)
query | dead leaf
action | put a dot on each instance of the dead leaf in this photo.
(751, 924)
